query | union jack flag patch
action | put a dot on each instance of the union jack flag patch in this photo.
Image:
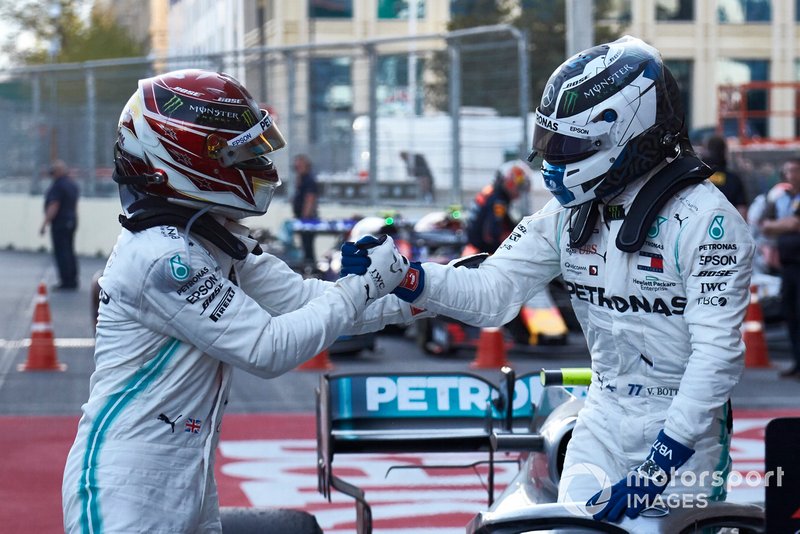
(192, 426)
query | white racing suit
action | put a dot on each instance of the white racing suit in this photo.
(662, 326)
(170, 330)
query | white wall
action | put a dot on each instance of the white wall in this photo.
(21, 216)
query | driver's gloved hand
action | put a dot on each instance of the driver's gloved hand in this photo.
(355, 261)
(376, 260)
(412, 285)
(639, 489)
(355, 258)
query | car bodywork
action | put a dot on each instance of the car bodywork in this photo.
(464, 412)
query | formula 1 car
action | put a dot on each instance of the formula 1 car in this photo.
(540, 322)
(532, 415)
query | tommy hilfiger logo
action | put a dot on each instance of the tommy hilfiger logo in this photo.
(649, 261)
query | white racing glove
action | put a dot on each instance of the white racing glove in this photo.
(377, 262)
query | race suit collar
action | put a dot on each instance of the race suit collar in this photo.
(150, 211)
(242, 233)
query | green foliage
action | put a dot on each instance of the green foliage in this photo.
(545, 22)
(489, 67)
(75, 40)
(103, 39)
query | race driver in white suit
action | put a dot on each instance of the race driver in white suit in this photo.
(186, 296)
(658, 265)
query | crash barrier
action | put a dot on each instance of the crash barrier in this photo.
(42, 351)
(755, 342)
(236, 520)
(429, 412)
(780, 460)
(414, 138)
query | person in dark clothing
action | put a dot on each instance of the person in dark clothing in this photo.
(304, 203)
(489, 222)
(60, 213)
(784, 226)
(418, 168)
(726, 180)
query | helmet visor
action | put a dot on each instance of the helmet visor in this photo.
(558, 148)
(261, 139)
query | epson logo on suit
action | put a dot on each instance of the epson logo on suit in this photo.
(202, 289)
(718, 260)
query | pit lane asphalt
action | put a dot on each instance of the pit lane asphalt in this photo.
(62, 393)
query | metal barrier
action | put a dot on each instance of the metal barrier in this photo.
(353, 107)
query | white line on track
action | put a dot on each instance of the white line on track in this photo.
(64, 342)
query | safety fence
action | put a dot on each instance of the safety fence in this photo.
(422, 119)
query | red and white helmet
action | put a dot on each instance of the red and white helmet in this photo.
(197, 138)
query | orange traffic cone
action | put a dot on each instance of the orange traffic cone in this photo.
(320, 362)
(42, 352)
(491, 350)
(755, 343)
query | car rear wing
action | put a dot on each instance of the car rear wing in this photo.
(422, 412)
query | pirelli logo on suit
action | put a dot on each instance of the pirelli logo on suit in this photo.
(223, 304)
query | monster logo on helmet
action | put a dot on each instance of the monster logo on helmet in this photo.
(608, 116)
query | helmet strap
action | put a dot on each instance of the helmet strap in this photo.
(583, 220)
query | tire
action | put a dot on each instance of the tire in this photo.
(237, 520)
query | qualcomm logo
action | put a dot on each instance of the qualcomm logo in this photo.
(579, 482)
